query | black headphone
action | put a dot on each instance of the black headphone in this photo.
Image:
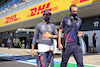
(72, 18)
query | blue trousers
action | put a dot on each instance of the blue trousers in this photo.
(44, 59)
(75, 49)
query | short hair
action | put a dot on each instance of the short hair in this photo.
(73, 5)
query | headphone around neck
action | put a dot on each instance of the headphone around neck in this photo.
(72, 18)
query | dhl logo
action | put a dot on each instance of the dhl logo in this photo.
(78, 1)
(40, 9)
(11, 19)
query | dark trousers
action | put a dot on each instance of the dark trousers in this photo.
(75, 49)
(9, 45)
(44, 59)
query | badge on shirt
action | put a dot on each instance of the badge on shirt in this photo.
(78, 23)
(49, 26)
(69, 22)
(43, 25)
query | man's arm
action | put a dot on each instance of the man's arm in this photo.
(62, 25)
(32, 51)
(80, 33)
(59, 39)
(34, 40)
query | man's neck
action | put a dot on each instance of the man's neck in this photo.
(45, 22)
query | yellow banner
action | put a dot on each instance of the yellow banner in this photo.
(37, 10)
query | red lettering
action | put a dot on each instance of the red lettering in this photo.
(41, 12)
(40, 9)
(50, 9)
(82, 1)
(33, 11)
(78, 1)
(11, 18)
(48, 5)
(7, 19)
(14, 16)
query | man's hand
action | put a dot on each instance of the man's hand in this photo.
(60, 46)
(46, 35)
(32, 53)
(80, 33)
(96, 38)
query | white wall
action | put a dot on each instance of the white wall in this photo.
(90, 34)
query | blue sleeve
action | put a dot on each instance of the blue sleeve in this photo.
(81, 28)
(36, 31)
(62, 24)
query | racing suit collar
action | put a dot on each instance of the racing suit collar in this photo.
(47, 23)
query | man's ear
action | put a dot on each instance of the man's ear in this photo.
(44, 16)
(70, 11)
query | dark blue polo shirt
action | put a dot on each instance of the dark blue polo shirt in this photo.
(77, 26)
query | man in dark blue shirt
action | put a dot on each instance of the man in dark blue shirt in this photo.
(45, 31)
(72, 44)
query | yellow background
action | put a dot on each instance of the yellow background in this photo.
(60, 4)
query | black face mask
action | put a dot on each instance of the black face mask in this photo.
(47, 19)
(74, 17)
(74, 14)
